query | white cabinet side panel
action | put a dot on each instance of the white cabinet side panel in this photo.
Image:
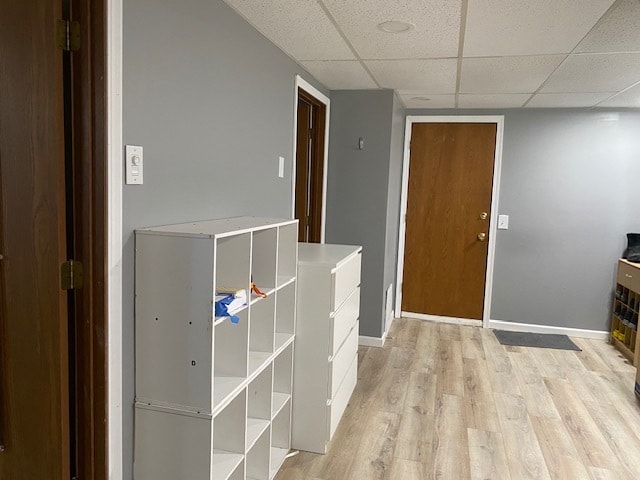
(311, 367)
(169, 447)
(174, 294)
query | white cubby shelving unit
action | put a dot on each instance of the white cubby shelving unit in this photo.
(213, 397)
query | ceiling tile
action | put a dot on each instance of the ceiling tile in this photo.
(617, 32)
(628, 98)
(434, 76)
(566, 100)
(604, 72)
(418, 100)
(341, 74)
(493, 101)
(525, 27)
(435, 33)
(299, 27)
(507, 74)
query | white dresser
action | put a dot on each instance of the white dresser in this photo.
(326, 351)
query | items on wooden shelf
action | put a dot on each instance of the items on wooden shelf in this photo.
(326, 354)
(213, 399)
(626, 304)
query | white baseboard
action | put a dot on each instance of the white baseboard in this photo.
(438, 318)
(372, 341)
(532, 328)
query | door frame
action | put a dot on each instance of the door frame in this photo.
(300, 82)
(115, 173)
(493, 219)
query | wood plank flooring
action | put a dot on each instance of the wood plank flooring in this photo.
(449, 402)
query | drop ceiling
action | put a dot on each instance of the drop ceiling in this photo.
(464, 53)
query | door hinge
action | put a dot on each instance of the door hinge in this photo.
(68, 35)
(71, 275)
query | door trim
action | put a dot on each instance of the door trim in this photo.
(114, 236)
(300, 82)
(493, 221)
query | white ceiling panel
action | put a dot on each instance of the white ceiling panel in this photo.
(606, 72)
(433, 76)
(617, 32)
(341, 74)
(628, 98)
(435, 33)
(507, 74)
(422, 100)
(529, 27)
(492, 101)
(566, 100)
(299, 27)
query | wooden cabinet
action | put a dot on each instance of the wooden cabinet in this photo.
(326, 358)
(626, 304)
(213, 397)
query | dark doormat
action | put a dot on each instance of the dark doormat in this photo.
(539, 340)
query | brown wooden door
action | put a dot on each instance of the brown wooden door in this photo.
(309, 167)
(450, 184)
(34, 414)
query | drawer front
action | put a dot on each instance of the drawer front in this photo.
(343, 320)
(345, 279)
(342, 360)
(629, 276)
(341, 400)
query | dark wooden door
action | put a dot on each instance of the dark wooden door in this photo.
(34, 421)
(309, 167)
(448, 211)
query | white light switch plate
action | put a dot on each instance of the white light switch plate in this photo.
(133, 165)
(503, 222)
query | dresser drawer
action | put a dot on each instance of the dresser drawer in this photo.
(629, 276)
(345, 279)
(337, 406)
(343, 320)
(340, 363)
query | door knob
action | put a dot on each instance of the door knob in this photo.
(482, 236)
(483, 216)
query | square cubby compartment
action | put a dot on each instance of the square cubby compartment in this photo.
(229, 427)
(232, 262)
(263, 261)
(230, 357)
(282, 370)
(285, 314)
(261, 332)
(287, 253)
(258, 458)
(259, 406)
(280, 437)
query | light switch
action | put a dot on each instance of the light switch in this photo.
(133, 165)
(280, 167)
(503, 222)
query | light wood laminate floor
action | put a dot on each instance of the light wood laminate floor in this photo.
(449, 402)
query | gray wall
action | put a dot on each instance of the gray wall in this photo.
(358, 187)
(211, 102)
(570, 186)
(393, 193)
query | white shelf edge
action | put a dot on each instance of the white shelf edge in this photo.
(229, 396)
(282, 340)
(257, 361)
(278, 456)
(257, 426)
(268, 291)
(224, 463)
(287, 280)
(280, 401)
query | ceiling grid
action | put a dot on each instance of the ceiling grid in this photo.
(464, 53)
